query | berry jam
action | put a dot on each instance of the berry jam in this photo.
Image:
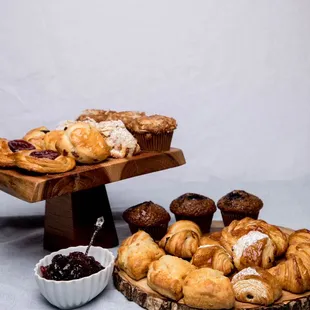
(74, 266)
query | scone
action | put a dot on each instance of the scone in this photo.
(136, 253)
(206, 288)
(196, 208)
(84, 143)
(239, 204)
(256, 286)
(166, 276)
(154, 133)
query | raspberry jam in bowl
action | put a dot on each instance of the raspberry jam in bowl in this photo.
(68, 278)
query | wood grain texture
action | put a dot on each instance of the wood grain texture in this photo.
(144, 296)
(33, 188)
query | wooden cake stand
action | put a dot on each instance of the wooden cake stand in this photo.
(75, 199)
(144, 296)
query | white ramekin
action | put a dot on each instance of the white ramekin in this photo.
(75, 293)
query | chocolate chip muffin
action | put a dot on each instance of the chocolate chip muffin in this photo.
(149, 217)
(239, 204)
(196, 208)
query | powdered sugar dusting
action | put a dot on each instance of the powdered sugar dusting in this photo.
(245, 272)
(246, 241)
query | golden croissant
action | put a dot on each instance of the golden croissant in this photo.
(136, 254)
(257, 286)
(36, 137)
(184, 225)
(213, 238)
(182, 244)
(237, 229)
(254, 249)
(299, 236)
(213, 256)
(51, 138)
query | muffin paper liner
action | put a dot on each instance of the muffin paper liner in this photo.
(228, 217)
(154, 142)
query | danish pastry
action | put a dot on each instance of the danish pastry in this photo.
(51, 138)
(254, 249)
(299, 236)
(213, 256)
(84, 143)
(46, 161)
(36, 137)
(257, 286)
(206, 288)
(136, 253)
(7, 158)
(166, 276)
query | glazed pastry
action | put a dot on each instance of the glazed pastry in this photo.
(166, 276)
(46, 161)
(206, 288)
(213, 256)
(184, 225)
(299, 236)
(84, 143)
(181, 244)
(213, 238)
(254, 249)
(237, 229)
(136, 253)
(256, 286)
(36, 137)
(7, 158)
(51, 138)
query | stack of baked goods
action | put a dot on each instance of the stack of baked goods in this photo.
(249, 261)
(153, 132)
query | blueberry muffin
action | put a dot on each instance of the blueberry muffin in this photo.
(239, 204)
(196, 208)
(149, 217)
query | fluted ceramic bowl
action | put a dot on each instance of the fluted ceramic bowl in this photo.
(75, 293)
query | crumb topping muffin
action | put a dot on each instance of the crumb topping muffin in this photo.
(191, 204)
(240, 201)
(153, 124)
(146, 214)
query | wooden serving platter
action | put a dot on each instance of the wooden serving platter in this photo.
(75, 199)
(144, 296)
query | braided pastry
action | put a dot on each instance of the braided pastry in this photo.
(299, 236)
(166, 276)
(44, 161)
(237, 229)
(36, 137)
(136, 254)
(257, 286)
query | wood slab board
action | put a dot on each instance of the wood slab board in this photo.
(144, 296)
(33, 188)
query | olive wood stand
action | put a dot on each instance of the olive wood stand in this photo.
(140, 293)
(75, 199)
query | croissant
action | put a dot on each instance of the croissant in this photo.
(292, 275)
(51, 138)
(136, 254)
(84, 143)
(166, 276)
(206, 288)
(237, 229)
(256, 286)
(36, 137)
(44, 161)
(213, 238)
(254, 249)
(299, 236)
(182, 244)
(213, 256)
(184, 225)
(7, 158)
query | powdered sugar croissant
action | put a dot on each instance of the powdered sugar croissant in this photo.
(257, 286)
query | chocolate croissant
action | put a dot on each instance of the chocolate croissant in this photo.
(254, 249)
(256, 286)
(46, 161)
(213, 256)
(84, 143)
(237, 229)
(136, 253)
(36, 137)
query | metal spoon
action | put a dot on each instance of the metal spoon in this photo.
(98, 225)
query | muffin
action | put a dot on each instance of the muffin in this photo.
(239, 204)
(154, 133)
(196, 208)
(149, 217)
